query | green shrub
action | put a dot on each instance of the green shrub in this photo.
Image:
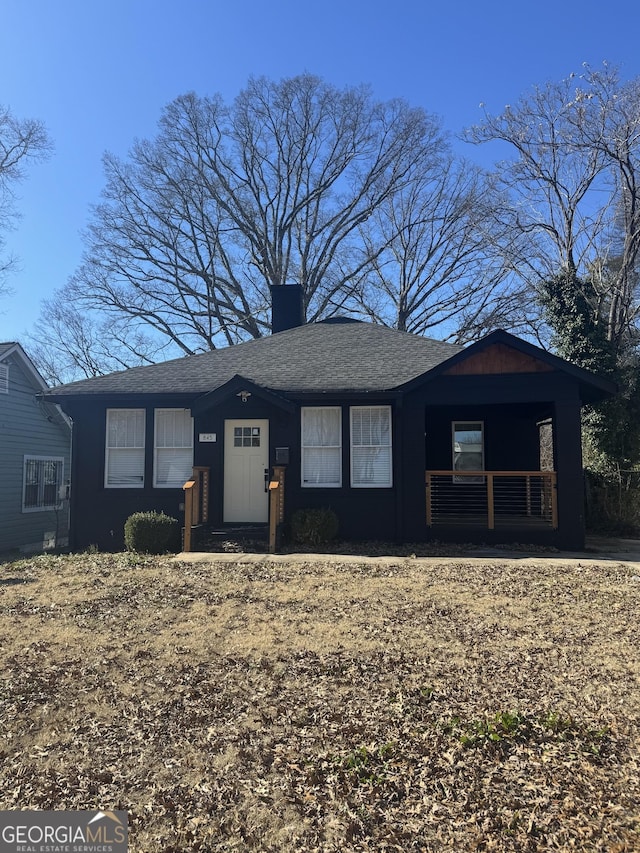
(314, 526)
(151, 533)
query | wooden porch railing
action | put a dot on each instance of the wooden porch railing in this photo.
(196, 503)
(276, 505)
(492, 499)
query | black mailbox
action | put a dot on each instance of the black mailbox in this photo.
(282, 455)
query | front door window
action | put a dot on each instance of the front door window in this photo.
(246, 436)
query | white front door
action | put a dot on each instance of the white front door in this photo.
(246, 458)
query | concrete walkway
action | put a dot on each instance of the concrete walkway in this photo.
(598, 549)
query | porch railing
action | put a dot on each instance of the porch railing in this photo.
(492, 499)
(196, 503)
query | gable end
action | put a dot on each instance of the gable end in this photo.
(496, 359)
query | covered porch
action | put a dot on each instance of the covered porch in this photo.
(502, 445)
(504, 471)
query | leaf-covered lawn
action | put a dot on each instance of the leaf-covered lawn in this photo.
(273, 705)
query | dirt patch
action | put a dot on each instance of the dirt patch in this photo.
(256, 703)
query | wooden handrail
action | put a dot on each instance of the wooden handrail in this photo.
(491, 510)
(276, 505)
(196, 502)
(201, 475)
(188, 489)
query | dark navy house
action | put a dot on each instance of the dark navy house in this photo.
(405, 438)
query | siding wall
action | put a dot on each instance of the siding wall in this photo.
(363, 513)
(98, 514)
(26, 430)
(359, 510)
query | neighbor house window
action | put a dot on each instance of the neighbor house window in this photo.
(371, 465)
(173, 448)
(321, 446)
(124, 458)
(4, 378)
(468, 449)
(42, 483)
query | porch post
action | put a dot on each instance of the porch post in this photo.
(567, 437)
(276, 505)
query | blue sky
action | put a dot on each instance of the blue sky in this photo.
(98, 73)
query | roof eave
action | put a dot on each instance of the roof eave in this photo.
(118, 397)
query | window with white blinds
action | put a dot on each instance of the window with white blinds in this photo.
(124, 457)
(321, 446)
(4, 378)
(371, 457)
(173, 448)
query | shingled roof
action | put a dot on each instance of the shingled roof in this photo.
(5, 346)
(336, 356)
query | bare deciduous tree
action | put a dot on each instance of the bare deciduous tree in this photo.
(433, 267)
(614, 274)
(228, 201)
(22, 141)
(71, 345)
(572, 187)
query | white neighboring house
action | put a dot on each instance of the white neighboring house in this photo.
(35, 459)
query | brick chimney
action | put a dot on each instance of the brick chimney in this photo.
(287, 309)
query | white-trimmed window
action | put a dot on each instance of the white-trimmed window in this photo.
(124, 455)
(173, 448)
(371, 452)
(4, 378)
(467, 438)
(321, 446)
(42, 482)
